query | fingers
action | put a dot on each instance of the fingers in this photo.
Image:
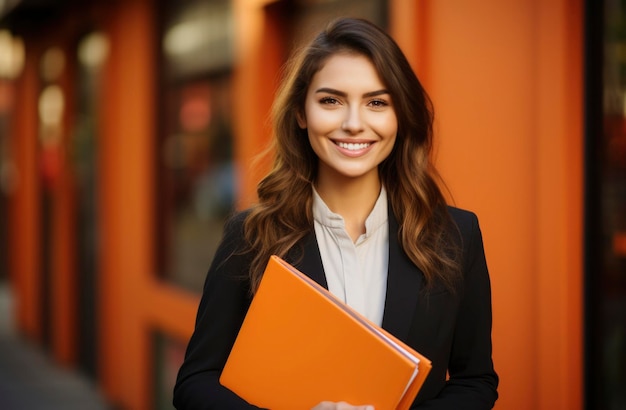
(342, 405)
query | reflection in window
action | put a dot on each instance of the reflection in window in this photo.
(196, 183)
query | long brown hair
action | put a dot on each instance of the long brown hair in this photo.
(283, 214)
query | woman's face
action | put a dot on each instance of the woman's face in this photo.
(349, 117)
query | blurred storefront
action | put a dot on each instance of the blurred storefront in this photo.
(11, 64)
(128, 130)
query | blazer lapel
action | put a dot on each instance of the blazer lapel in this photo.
(404, 282)
(309, 261)
(404, 279)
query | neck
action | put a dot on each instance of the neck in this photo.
(352, 198)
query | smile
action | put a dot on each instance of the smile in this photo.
(352, 146)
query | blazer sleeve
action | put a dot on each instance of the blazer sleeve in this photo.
(223, 306)
(473, 382)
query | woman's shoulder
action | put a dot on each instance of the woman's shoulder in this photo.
(463, 218)
(233, 230)
(235, 220)
(465, 224)
(468, 230)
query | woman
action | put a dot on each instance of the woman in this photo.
(352, 200)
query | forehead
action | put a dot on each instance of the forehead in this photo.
(345, 70)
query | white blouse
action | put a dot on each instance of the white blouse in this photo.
(355, 272)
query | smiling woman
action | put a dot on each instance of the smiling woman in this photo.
(352, 126)
(352, 201)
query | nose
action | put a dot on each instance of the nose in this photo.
(352, 122)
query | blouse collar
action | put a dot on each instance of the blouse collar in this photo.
(324, 216)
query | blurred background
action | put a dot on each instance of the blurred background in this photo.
(128, 130)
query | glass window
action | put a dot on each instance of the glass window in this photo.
(606, 205)
(91, 54)
(168, 357)
(311, 15)
(195, 170)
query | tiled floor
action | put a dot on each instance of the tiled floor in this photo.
(29, 379)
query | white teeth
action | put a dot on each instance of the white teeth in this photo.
(353, 147)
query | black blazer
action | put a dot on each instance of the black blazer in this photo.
(452, 329)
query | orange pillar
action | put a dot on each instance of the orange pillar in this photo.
(505, 79)
(258, 59)
(24, 209)
(126, 160)
(64, 296)
(559, 182)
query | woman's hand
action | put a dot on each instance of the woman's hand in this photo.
(342, 405)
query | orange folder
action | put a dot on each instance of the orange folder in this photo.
(299, 345)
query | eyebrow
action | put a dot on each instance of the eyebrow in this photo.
(343, 94)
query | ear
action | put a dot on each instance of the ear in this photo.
(301, 120)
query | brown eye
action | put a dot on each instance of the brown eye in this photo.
(378, 103)
(329, 100)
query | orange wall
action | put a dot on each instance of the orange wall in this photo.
(506, 82)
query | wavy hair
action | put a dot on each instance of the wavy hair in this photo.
(283, 214)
